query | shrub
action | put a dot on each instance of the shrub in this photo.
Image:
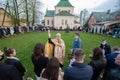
(67, 30)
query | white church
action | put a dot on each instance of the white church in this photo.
(62, 16)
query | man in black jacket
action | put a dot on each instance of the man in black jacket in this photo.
(105, 47)
(8, 72)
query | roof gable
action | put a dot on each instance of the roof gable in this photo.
(103, 16)
(64, 3)
(50, 13)
(76, 22)
(64, 13)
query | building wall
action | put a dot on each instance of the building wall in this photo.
(58, 9)
(91, 21)
(7, 21)
(77, 19)
(60, 21)
(76, 25)
(51, 21)
(118, 17)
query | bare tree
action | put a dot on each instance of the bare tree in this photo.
(6, 6)
(27, 10)
(35, 9)
(117, 6)
(27, 14)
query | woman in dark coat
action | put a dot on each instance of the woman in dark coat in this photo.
(39, 60)
(12, 60)
(98, 63)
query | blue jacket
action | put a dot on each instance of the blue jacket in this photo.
(78, 71)
(111, 61)
(77, 43)
(110, 64)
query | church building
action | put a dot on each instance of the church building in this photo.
(62, 16)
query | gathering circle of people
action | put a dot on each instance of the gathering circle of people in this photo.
(48, 61)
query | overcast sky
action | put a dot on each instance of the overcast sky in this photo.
(91, 5)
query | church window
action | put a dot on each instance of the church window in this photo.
(59, 10)
(62, 21)
(52, 22)
(69, 11)
(65, 22)
(47, 22)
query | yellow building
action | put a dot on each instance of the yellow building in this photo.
(7, 21)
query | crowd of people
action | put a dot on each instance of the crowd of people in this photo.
(7, 31)
(48, 61)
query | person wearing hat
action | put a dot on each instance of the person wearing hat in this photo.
(55, 48)
(8, 72)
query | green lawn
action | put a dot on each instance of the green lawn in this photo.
(24, 43)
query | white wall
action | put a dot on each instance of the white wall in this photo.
(77, 19)
(58, 21)
(50, 21)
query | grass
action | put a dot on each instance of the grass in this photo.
(24, 43)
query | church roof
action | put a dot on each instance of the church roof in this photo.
(64, 3)
(50, 13)
(64, 13)
(76, 22)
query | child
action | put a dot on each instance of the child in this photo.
(12, 60)
(77, 44)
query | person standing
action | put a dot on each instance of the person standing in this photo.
(57, 49)
(52, 71)
(39, 59)
(79, 70)
(114, 74)
(111, 61)
(12, 60)
(77, 43)
(8, 72)
(105, 47)
(98, 63)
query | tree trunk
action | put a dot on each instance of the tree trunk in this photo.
(33, 15)
(17, 14)
(27, 15)
(4, 14)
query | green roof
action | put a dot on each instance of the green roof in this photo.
(64, 3)
(77, 16)
(76, 22)
(50, 13)
(64, 13)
